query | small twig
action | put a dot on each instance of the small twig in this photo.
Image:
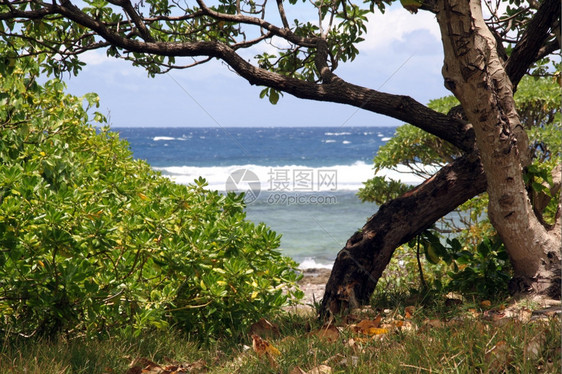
(422, 279)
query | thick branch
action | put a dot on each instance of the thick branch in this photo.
(537, 33)
(360, 263)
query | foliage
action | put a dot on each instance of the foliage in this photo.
(482, 270)
(420, 151)
(380, 190)
(92, 239)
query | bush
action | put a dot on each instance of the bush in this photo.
(92, 239)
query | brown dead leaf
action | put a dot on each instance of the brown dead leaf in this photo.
(365, 325)
(376, 331)
(264, 328)
(486, 304)
(409, 311)
(404, 325)
(329, 333)
(474, 313)
(263, 347)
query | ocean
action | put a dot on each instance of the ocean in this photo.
(300, 181)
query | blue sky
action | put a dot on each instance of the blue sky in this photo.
(402, 54)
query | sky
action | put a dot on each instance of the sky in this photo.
(401, 54)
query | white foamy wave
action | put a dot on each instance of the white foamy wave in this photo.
(336, 133)
(346, 142)
(385, 139)
(331, 178)
(169, 138)
(328, 141)
(310, 263)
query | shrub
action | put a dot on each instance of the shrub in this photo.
(92, 239)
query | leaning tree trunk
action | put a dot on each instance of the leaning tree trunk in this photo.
(360, 264)
(474, 72)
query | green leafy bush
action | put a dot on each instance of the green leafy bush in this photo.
(91, 239)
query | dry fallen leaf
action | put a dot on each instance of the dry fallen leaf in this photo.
(329, 333)
(262, 347)
(409, 311)
(199, 366)
(474, 313)
(525, 315)
(365, 325)
(134, 370)
(376, 331)
(404, 325)
(486, 304)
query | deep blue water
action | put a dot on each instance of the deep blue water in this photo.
(308, 146)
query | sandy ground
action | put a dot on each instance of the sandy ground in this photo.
(313, 284)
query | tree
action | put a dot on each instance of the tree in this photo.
(484, 62)
(464, 243)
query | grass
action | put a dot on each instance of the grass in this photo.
(437, 338)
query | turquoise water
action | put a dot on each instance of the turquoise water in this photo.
(313, 234)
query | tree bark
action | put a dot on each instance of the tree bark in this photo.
(366, 254)
(474, 72)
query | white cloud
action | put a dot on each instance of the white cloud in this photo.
(392, 26)
(95, 57)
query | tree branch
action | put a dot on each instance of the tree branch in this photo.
(334, 89)
(537, 33)
(284, 33)
(360, 264)
(130, 10)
